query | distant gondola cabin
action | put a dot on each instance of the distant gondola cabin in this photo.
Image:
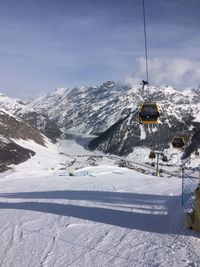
(149, 113)
(164, 158)
(178, 142)
(152, 155)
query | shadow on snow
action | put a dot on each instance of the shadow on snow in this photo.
(152, 213)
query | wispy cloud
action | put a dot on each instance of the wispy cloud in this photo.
(178, 72)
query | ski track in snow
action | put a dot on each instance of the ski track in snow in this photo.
(116, 218)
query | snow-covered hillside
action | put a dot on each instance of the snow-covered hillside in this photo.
(107, 216)
(13, 132)
(37, 120)
(179, 116)
(19, 141)
(84, 109)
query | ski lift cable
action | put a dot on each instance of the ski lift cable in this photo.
(145, 42)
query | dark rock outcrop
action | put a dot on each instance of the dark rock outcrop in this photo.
(11, 153)
(43, 124)
(11, 127)
(11, 130)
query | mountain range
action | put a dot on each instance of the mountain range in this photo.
(108, 111)
(100, 110)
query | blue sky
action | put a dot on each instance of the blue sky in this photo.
(46, 44)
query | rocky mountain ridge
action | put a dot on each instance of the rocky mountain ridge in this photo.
(94, 110)
(26, 113)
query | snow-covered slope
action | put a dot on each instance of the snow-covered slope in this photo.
(108, 217)
(12, 130)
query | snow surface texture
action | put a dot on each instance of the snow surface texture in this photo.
(109, 216)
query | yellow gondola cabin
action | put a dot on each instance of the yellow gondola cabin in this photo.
(149, 113)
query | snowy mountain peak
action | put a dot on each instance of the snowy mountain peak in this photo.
(95, 109)
(61, 91)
